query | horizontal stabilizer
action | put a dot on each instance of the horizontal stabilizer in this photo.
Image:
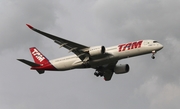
(40, 71)
(32, 64)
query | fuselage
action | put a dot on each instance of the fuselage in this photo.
(112, 54)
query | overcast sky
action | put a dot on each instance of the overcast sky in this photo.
(150, 84)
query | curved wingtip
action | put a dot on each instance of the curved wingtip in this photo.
(29, 26)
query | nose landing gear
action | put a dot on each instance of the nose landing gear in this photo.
(153, 53)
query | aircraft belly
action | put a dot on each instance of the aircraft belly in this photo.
(102, 61)
(61, 66)
(67, 65)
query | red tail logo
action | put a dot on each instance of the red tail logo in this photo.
(38, 57)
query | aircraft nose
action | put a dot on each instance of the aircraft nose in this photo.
(160, 46)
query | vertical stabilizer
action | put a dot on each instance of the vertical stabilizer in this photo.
(38, 57)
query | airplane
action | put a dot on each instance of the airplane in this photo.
(103, 60)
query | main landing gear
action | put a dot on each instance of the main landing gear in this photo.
(153, 53)
(98, 73)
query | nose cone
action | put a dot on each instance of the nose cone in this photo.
(160, 46)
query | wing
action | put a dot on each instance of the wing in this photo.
(109, 70)
(78, 49)
(108, 74)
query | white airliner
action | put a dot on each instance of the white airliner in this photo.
(103, 60)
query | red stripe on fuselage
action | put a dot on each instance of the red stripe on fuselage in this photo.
(48, 66)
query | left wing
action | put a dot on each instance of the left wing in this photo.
(78, 49)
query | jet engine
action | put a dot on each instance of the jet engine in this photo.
(122, 68)
(97, 50)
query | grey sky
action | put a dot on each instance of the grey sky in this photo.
(150, 84)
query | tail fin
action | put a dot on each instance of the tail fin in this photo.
(38, 57)
(40, 64)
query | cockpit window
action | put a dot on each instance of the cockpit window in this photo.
(155, 41)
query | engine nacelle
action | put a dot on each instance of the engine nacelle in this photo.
(122, 68)
(97, 50)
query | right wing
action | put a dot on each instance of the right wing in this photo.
(78, 49)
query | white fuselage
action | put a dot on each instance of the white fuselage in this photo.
(115, 53)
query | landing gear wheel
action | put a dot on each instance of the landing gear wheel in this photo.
(101, 74)
(153, 57)
(96, 74)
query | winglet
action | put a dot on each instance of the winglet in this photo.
(29, 26)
